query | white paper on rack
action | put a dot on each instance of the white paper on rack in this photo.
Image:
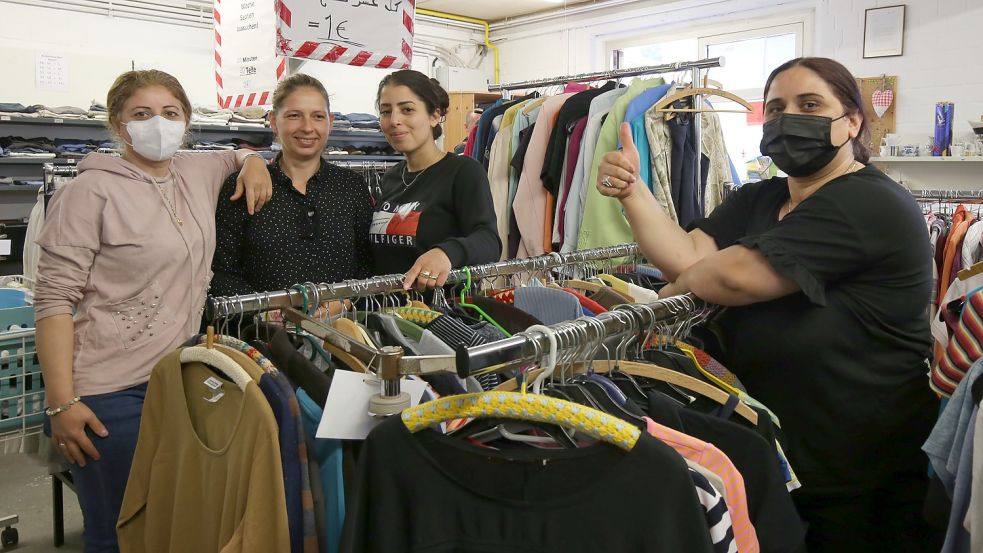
(346, 411)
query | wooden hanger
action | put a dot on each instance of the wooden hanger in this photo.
(581, 285)
(665, 104)
(347, 349)
(655, 372)
(971, 271)
(648, 370)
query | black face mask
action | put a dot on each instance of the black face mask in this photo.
(800, 145)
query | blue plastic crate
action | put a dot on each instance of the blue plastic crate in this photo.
(21, 384)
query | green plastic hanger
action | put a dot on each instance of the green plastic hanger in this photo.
(481, 313)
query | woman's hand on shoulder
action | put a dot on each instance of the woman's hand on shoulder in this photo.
(254, 180)
(430, 270)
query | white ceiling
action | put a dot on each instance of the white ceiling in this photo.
(494, 10)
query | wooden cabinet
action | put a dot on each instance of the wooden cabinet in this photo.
(462, 103)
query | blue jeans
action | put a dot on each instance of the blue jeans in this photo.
(101, 484)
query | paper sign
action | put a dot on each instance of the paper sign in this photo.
(346, 411)
(4, 247)
(246, 65)
(51, 72)
(370, 33)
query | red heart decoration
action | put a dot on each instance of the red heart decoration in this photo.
(882, 100)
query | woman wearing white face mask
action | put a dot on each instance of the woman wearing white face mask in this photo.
(124, 268)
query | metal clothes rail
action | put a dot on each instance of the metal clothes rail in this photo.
(613, 74)
(225, 306)
(576, 335)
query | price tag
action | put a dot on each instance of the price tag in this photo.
(346, 412)
(4, 118)
(233, 128)
(59, 120)
(5, 247)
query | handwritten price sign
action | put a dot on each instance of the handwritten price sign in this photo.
(371, 33)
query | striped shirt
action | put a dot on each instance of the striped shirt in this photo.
(712, 458)
(965, 347)
(718, 517)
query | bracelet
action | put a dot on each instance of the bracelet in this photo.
(252, 154)
(61, 408)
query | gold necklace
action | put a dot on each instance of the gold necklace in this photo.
(168, 202)
(418, 175)
(789, 207)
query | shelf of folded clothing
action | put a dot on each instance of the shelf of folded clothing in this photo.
(920, 159)
(67, 121)
(15, 160)
(355, 136)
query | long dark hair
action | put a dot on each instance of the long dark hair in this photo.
(428, 90)
(845, 87)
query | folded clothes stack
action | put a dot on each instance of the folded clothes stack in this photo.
(98, 111)
(12, 109)
(16, 146)
(63, 112)
(210, 116)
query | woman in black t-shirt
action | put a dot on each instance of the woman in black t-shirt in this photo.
(826, 275)
(435, 210)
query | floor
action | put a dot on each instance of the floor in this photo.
(25, 491)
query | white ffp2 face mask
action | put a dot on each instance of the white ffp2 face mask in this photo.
(156, 138)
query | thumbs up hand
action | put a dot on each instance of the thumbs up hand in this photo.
(619, 170)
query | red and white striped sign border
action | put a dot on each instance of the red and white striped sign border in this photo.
(349, 56)
(240, 100)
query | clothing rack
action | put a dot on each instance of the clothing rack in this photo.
(226, 306)
(527, 347)
(696, 67)
(56, 174)
(615, 74)
(947, 194)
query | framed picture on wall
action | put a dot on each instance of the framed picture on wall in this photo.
(884, 32)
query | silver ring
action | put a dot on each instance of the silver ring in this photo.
(606, 182)
(62, 444)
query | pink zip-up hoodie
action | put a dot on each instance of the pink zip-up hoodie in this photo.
(114, 255)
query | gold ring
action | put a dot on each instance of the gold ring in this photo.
(62, 444)
(425, 274)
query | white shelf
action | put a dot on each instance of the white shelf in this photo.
(926, 159)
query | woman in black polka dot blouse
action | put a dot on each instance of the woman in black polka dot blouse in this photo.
(316, 226)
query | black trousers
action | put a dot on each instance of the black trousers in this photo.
(884, 520)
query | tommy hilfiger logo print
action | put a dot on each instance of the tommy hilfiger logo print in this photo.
(396, 224)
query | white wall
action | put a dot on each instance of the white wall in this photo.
(98, 48)
(943, 41)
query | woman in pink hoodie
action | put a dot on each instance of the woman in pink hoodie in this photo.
(126, 252)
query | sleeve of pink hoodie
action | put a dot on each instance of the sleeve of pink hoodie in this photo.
(69, 242)
(209, 169)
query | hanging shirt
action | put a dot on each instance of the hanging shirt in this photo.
(573, 152)
(529, 206)
(603, 223)
(853, 341)
(197, 482)
(447, 495)
(635, 117)
(576, 107)
(447, 205)
(574, 208)
(712, 458)
(318, 236)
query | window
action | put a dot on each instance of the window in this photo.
(749, 57)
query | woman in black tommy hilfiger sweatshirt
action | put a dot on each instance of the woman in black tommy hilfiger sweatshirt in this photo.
(435, 209)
